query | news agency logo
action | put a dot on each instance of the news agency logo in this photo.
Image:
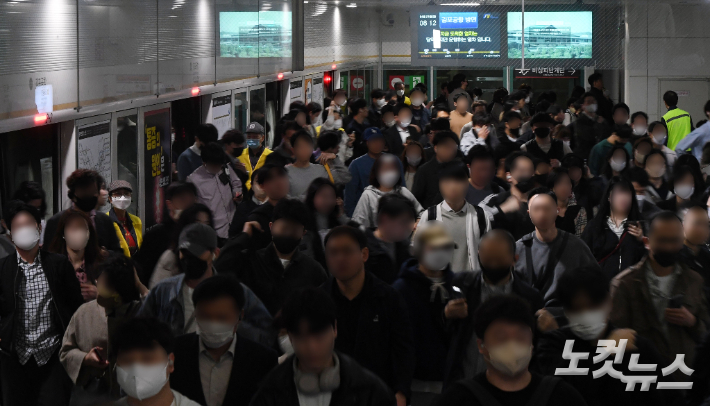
(607, 347)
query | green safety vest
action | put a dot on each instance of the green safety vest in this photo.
(679, 125)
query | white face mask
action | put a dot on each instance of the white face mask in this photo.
(438, 260)
(588, 325)
(388, 179)
(510, 358)
(527, 99)
(176, 214)
(414, 159)
(214, 334)
(405, 123)
(400, 93)
(25, 238)
(381, 102)
(285, 344)
(390, 123)
(617, 166)
(591, 108)
(417, 102)
(684, 191)
(639, 130)
(121, 203)
(76, 240)
(706, 170)
(659, 139)
(142, 381)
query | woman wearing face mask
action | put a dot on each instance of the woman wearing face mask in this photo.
(76, 238)
(570, 216)
(616, 163)
(659, 134)
(655, 165)
(684, 188)
(104, 205)
(168, 265)
(129, 228)
(385, 177)
(616, 233)
(326, 202)
(85, 347)
(412, 158)
(642, 147)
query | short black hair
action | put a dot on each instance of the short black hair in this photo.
(353, 233)
(440, 124)
(500, 234)
(416, 89)
(213, 153)
(542, 191)
(271, 171)
(206, 133)
(443, 135)
(540, 118)
(233, 136)
(394, 205)
(142, 333)
(589, 279)
(555, 175)
(177, 188)
(665, 215)
(387, 108)
(80, 178)
(572, 161)
(622, 106)
(439, 107)
(15, 207)
(477, 91)
(639, 114)
(444, 85)
(585, 95)
(593, 78)
(671, 98)
(639, 176)
(458, 79)
(512, 159)
(287, 125)
(314, 306)
(401, 106)
(455, 170)
(357, 104)
(623, 131)
(217, 287)
(481, 120)
(292, 210)
(511, 115)
(457, 96)
(510, 308)
(314, 107)
(652, 126)
(329, 139)
(30, 190)
(479, 153)
(120, 275)
(377, 93)
(302, 135)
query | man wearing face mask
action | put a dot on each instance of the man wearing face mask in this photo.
(401, 98)
(191, 158)
(542, 145)
(214, 366)
(129, 228)
(255, 155)
(661, 298)
(279, 268)
(397, 135)
(589, 128)
(420, 114)
(620, 135)
(584, 296)
(497, 258)
(425, 283)
(317, 374)
(659, 134)
(695, 253)
(389, 241)
(178, 197)
(252, 200)
(504, 328)
(548, 252)
(83, 185)
(596, 88)
(426, 180)
(143, 349)
(218, 188)
(508, 141)
(356, 125)
(374, 115)
(40, 293)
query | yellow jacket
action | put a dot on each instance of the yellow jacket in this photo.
(137, 229)
(244, 158)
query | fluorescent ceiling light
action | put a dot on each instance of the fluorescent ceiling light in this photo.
(351, 5)
(460, 4)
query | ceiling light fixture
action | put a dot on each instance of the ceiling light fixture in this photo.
(351, 5)
(461, 4)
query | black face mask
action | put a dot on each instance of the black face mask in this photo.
(237, 152)
(525, 184)
(514, 132)
(192, 266)
(540, 179)
(666, 258)
(542, 132)
(494, 275)
(285, 244)
(86, 204)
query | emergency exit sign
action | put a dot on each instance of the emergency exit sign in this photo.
(540, 73)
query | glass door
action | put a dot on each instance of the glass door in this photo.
(124, 153)
(94, 150)
(240, 101)
(257, 110)
(154, 161)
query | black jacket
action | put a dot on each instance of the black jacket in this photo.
(379, 263)
(602, 242)
(251, 363)
(105, 231)
(241, 213)
(263, 273)
(517, 222)
(586, 133)
(155, 242)
(262, 215)
(462, 330)
(605, 106)
(505, 147)
(557, 150)
(395, 146)
(700, 263)
(358, 387)
(426, 183)
(384, 342)
(374, 117)
(701, 376)
(63, 285)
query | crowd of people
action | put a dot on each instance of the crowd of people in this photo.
(389, 251)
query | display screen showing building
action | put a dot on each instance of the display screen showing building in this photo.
(263, 34)
(551, 35)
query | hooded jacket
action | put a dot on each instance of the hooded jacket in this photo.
(366, 210)
(425, 303)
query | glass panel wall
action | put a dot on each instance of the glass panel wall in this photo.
(240, 110)
(127, 155)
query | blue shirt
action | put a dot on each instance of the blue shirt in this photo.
(695, 141)
(187, 162)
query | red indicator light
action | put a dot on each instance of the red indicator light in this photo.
(280, 76)
(195, 91)
(333, 66)
(41, 118)
(327, 79)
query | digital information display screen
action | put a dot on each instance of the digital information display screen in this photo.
(458, 35)
(551, 35)
(252, 34)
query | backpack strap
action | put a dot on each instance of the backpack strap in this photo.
(431, 213)
(544, 390)
(481, 217)
(480, 393)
